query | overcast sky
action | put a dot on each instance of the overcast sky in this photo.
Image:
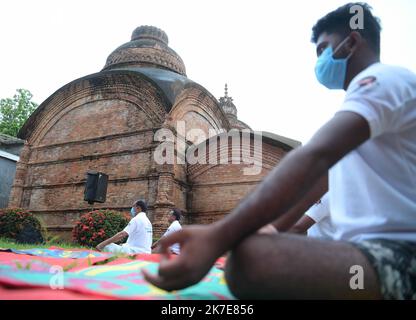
(260, 48)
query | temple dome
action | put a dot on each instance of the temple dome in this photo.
(148, 48)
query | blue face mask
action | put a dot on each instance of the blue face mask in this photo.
(132, 212)
(329, 71)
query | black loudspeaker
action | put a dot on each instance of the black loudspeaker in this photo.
(95, 187)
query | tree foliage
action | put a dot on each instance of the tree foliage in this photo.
(15, 111)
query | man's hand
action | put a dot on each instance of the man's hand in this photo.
(286, 185)
(200, 248)
(268, 229)
(154, 245)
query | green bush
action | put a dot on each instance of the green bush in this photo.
(97, 226)
(20, 225)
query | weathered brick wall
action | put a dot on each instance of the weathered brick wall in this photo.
(200, 111)
(107, 121)
(108, 124)
(217, 189)
(97, 128)
(180, 191)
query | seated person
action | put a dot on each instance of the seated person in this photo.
(366, 153)
(139, 232)
(316, 222)
(174, 217)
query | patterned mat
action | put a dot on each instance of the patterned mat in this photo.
(94, 275)
(61, 253)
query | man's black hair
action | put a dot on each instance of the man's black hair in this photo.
(338, 21)
(177, 213)
(142, 205)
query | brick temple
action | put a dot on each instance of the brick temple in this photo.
(107, 122)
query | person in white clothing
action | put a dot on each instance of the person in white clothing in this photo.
(139, 232)
(174, 218)
(322, 226)
(366, 153)
(316, 222)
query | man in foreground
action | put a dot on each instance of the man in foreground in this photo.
(368, 151)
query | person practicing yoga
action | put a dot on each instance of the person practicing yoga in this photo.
(365, 154)
(174, 218)
(139, 232)
(316, 222)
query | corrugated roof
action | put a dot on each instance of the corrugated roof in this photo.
(9, 140)
(7, 155)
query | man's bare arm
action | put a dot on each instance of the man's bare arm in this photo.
(289, 219)
(116, 238)
(296, 174)
(303, 225)
(293, 220)
(285, 186)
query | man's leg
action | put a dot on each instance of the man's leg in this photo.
(113, 248)
(285, 266)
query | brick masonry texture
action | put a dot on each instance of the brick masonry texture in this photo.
(106, 122)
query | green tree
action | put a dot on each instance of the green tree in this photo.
(15, 111)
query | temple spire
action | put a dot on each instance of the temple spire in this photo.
(226, 103)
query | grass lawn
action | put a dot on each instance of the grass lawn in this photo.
(10, 244)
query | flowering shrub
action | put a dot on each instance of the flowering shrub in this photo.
(20, 225)
(97, 226)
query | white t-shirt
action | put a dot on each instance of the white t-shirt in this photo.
(373, 188)
(140, 233)
(174, 226)
(319, 212)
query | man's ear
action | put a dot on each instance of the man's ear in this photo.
(354, 42)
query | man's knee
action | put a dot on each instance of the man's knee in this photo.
(240, 270)
(112, 247)
(260, 268)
